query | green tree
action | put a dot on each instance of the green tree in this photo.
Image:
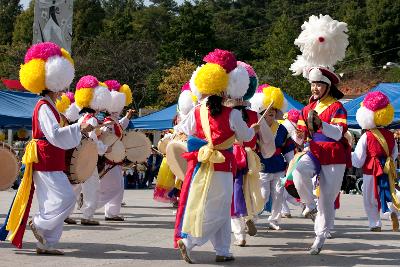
(9, 10)
(23, 25)
(276, 54)
(87, 20)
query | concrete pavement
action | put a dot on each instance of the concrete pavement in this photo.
(145, 239)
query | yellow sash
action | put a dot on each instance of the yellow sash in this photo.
(208, 155)
(389, 167)
(251, 185)
(22, 196)
(324, 103)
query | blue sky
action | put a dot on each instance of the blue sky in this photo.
(25, 3)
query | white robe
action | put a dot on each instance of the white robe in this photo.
(370, 203)
(217, 214)
(54, 193)
(331, 178)
(112, 184)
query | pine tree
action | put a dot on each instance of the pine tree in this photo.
(9, 10)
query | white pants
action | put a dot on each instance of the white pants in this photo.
(90, 190)
(288, 199)
(111, 192)
(217, 215)
(271, 185)
(331, 178)
(370, 202)
(239, 228)
(56, 200)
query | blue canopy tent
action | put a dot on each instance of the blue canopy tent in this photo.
(16, 109)
(162, 120)
(392, 90)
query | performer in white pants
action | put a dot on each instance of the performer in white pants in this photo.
(54, 71)
(112, 183)
(375, 152)
(89, 88)
(204, 212)
(273, 168)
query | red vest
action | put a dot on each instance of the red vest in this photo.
(51, 158)
(333, 152)
(220, 132)
(375, 152)
(253, 118)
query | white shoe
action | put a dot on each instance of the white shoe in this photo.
(317, 245)
(274, 226)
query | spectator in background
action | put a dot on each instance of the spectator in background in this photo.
(153, 165)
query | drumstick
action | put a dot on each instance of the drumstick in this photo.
(265, 112)
(109, 123)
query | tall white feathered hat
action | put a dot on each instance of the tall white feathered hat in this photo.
(323, 42)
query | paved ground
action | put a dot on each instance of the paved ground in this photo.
(145, 239)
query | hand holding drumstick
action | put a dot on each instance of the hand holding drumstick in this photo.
(256, 126)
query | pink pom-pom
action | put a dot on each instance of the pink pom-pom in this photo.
(113, 85)
(71, 96)
(185, 87)
(87, 81)
(249, 68)
(261, 87)
(42, 51)
(375, 101)
(321, 39)
(224, 58)
(293, 115)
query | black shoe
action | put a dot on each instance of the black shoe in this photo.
(224, 258)
(70, 221)
(115, 218)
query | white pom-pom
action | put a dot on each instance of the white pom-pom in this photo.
(300, 66)
(323, 40)
(238, 84)
(59, 73)
(257, 102)
(72, 113)
(365, 118)
(193, 86)
(289, 127)
(117, 102)
(101, 98)
(185, 102)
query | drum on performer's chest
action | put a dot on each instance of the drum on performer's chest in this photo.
(175, 148)
(81, 161)
(10, 166)
(137, 146)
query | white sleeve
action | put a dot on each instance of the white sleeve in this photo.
(62, 137)
(267, 139)
(360, 152)
(124, 122)
(289, 156)
(332, 131)
(239, 126)
(188, 125)
(395, 152)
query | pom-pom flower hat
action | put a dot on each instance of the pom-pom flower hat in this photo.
(92, 94)
(375, 111)
(186, 101)
(121, 96)
(266, 94)
(66, 105)
(46, 67)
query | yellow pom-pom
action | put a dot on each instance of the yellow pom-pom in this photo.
(63, 103)
(194, 98)
(274, 94)
(32, 76)
(211, 79)
(67, 56)
(103, 84)
(384, 116)
(83, 97)
(2, 136)
(128, 94)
